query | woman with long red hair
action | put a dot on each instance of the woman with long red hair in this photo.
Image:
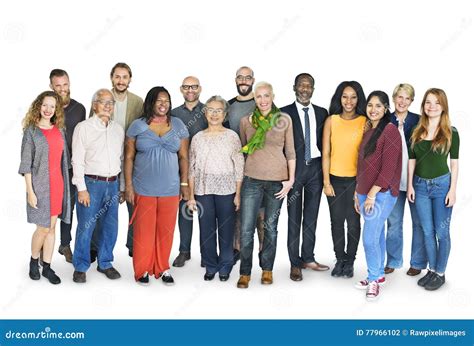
(431, 183)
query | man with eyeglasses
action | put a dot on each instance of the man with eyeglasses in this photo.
(240, 106)
(74, 113)
(97, 156)
(191, 112)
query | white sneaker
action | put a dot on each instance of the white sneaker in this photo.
(362, 285)
(373, 291)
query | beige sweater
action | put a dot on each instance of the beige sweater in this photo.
(270, 162)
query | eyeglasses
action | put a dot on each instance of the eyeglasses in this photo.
(193, 87)
(241, 78)
(106, 103)
(218, 111)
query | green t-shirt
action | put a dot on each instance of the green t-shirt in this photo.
(430, 165)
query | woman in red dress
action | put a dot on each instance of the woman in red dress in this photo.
(44, 163)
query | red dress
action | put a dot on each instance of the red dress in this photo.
(56, 182)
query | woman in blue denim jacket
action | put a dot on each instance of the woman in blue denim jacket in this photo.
(431, 185)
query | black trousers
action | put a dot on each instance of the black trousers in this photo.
(303, 205)
(341, 209)
(66, 227)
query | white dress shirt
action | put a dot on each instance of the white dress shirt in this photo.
(97, 149)
(312, 125)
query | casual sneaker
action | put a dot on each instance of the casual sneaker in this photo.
(373, 291)
(363, 284)
(337, 271)
(111, 273)
(425, 279)
(436, 282)
(167, 278)
(144, 280)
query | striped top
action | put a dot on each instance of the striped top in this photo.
(346, 136)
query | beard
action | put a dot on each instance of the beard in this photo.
(244, 93)
(66, 99)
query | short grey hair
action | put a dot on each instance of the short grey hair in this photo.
(217, 98)
(99, 92)
(264, 85)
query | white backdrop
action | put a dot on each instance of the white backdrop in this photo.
(428, 44)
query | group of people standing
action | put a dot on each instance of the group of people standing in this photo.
(233, 164)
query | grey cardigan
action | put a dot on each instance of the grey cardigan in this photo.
(35, 160)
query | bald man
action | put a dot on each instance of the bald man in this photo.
(191, 112)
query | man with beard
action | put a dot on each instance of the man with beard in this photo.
(240, 106)
(304, 198)
(191, 112)
(74, 113)
(128, 107)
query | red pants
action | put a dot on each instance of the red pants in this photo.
(153, 229)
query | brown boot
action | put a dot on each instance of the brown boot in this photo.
(267, 277)
(243, 281)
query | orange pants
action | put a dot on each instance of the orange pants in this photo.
(154, 220)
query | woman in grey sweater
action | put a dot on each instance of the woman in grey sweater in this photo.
(44, 164)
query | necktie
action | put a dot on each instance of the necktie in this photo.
(307, 136)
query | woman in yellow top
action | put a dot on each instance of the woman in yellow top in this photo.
(342, 135)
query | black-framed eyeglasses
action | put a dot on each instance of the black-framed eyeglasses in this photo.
(241, 78)
(192, 87)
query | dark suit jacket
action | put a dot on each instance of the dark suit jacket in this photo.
(298, 130)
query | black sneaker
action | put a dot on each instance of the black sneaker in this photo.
(337, 271)
(167, 278)
(181, 259)
(49, 274)
(224, 277)
(436, 282)
(34, 269)
(348, 269)
(144, 280)
(425, 279)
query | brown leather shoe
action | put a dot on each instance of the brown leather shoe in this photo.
(388, 270)
(413, 271)
(66, 252)
(295, 274)
(243, 281)
(316, 266)
(267, 277)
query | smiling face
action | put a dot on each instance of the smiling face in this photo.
(121, 79)
(104, 106)
(162, 105)
(264, 99)
(432, 106)
(215, 113)
(244, 81)
(191, 89)
(402, 102)
(60, 84)
(304, 90)
(48, 108)
(349, 100)
(375, 110)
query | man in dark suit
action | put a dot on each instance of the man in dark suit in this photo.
(303, 200)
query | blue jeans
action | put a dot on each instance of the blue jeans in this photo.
(373, 235)
(103, 209)
(418, 258)
(435, 218)
(217, 220)
(255, 191)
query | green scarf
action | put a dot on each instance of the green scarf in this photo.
(262, 124)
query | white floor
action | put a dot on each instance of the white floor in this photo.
(318, 296)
